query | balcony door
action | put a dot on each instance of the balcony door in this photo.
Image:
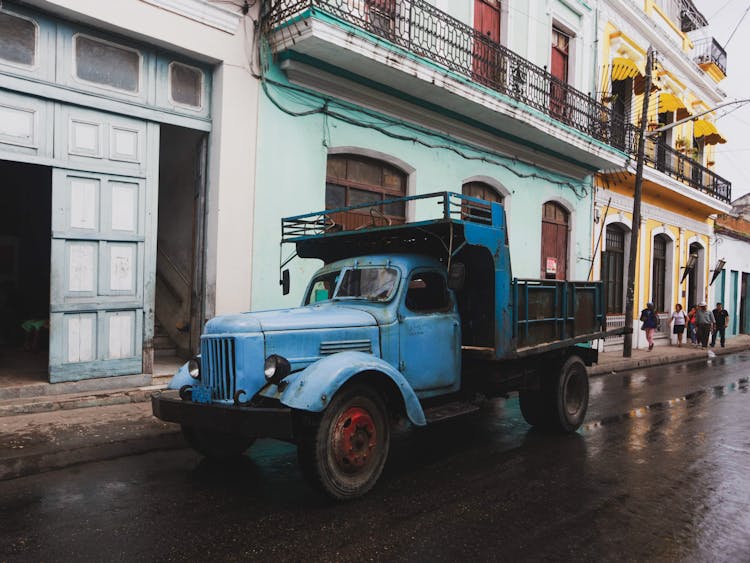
(559, 70)
(487, 64)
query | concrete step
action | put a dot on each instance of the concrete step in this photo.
(48, 403)
(25, 390)
(163, 342)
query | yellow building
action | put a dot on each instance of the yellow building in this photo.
(681, 192)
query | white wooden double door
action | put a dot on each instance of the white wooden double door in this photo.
(104, 198)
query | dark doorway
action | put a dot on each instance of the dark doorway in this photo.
(25, 227)
(744, 305)
(179, 308)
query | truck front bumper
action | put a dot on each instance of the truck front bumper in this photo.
(245, 421)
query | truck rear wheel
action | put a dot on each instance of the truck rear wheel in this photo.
(342, 452)
(569, 396)
(214, 444)
(562, 402)
(533, 407)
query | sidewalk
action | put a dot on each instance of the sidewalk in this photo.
(53, 431)
(612, 362)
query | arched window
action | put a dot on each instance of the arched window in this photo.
(554, 241)
(476, 211)
(659, 273)
(613, 265)
(354, 179)
(482, 191)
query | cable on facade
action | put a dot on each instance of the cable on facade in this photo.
(384, 122)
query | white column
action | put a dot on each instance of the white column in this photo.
(680, 264)
(642, 267)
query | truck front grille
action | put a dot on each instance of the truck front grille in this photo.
(217, 367)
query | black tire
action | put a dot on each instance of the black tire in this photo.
(569, 396)
(533, 407)
(562, 402)
(342, 452)
(214, 444)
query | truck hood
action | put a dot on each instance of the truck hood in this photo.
(325, 315)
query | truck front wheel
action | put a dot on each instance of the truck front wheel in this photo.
(214, 444)
(343, 451)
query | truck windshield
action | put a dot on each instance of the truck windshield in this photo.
(373, 284)
(322, 286)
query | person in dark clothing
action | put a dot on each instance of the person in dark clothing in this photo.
(650, 321)
(706, 322)
(722, 322)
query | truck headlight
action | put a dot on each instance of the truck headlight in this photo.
(194, 367)
(276, 368)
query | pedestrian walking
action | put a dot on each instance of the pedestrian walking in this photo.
(678, 320)
(692, 329)
(650, 321)
(704, 319)
(721, 317)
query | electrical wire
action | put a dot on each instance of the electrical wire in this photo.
(736, 27)
(720, 9)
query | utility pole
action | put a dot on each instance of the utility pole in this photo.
(627, 348)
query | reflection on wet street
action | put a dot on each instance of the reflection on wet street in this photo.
(658, 473)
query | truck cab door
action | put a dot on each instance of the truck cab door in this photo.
(429, 333)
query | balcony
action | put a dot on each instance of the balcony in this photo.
(434, 57)
(677, 165)
(708, 52)
(430, 35)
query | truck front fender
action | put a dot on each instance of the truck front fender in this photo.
(312, 388)
(181, 378)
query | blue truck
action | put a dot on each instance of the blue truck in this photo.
(421, 321)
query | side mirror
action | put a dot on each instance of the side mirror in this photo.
(456, 276)
(284, 282)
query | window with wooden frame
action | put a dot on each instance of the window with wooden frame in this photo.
(482, 191)
(613, 267)
(559, 69)
(659, 273)
(555, 221)
(353, 180)
(381, 15)
(488, 64)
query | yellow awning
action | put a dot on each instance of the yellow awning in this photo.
(669, 102)
(623, 68)
(709, 132)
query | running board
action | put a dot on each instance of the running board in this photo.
(449, 410)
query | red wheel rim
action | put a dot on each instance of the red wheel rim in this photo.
(354, 439)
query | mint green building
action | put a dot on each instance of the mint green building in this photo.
(371, 99)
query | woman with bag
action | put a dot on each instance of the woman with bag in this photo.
(650, 322)
(678, 321)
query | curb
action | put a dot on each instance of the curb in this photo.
(627, 364)
(32, 464)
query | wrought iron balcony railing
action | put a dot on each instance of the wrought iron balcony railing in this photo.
(682, 167)
(708, 50)
(422, 29)
(419, 27)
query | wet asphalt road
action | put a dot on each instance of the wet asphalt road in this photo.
(660, 472)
